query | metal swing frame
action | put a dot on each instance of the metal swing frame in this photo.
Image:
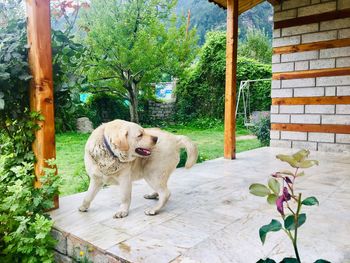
(245, 93)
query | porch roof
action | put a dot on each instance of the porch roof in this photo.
(244, 5)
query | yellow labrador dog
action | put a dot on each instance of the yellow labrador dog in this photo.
(119, 152)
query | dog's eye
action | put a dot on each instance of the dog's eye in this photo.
(140, 135)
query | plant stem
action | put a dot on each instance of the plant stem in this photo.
(295, 240)
(295, 244)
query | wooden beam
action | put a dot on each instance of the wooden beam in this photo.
(231, 79)
(301, 74)
(246, 5)
(304, 20)
(274, 2)
(220, 3)
(312, 46)
(41, 87)
(328, 100)
(326, 128)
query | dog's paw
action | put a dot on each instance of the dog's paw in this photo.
(121, 214)
(150, 212)
(151, 196)
(83, 208)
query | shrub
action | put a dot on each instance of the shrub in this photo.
(201, 92)
(106, 107)
(25, 228)
(262, 130)
(183, 158)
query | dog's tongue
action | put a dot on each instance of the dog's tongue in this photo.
(143, 151)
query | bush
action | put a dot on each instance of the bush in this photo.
(67, 56)
(25, 229)
(104, 107)
(262, 130)
(201, 92)
(183, 158)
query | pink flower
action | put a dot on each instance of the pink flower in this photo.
(281, 199)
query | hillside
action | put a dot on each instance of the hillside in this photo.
(206, 16)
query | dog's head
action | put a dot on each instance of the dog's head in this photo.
(127, 140)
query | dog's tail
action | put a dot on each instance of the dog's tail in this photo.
(191, 150)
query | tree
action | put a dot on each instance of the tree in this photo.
(132, 43)
(257, 46)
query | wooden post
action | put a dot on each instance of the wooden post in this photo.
(231, 79)
(41, 86)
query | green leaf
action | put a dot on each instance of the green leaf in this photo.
(271, 199)
(268, 260)
(289, 260)
(274, 226)
(322, 261)
(259, 190)
(310, 201)
(274, 186)
(2, 104)
(307, 163)
(25, 77)
(301, 155)
(4, 75)
(288, 159)
(289, 223)
(286, 172)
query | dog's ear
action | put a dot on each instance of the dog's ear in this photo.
(121, 140)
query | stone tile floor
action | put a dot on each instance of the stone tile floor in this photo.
(211, 217)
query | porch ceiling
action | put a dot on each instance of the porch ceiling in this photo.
(244, 5)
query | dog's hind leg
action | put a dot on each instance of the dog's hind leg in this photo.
(94, 187)
(163, 194)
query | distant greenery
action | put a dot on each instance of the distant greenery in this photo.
(70, 152)
(201, 92)
(256, 46)
(259, 17)
(206, 17)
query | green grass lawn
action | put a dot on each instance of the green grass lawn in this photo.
(70, 152)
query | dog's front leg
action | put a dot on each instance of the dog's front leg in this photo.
(125, 185)
(94, 187)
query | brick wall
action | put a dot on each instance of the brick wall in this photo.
(70, 249)
(315, 62)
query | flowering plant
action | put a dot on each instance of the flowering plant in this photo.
(281, 192)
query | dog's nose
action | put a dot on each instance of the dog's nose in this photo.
(154, 139)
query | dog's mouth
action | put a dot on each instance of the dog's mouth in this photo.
(143, 151)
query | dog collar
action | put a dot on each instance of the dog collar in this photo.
(108, 147)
